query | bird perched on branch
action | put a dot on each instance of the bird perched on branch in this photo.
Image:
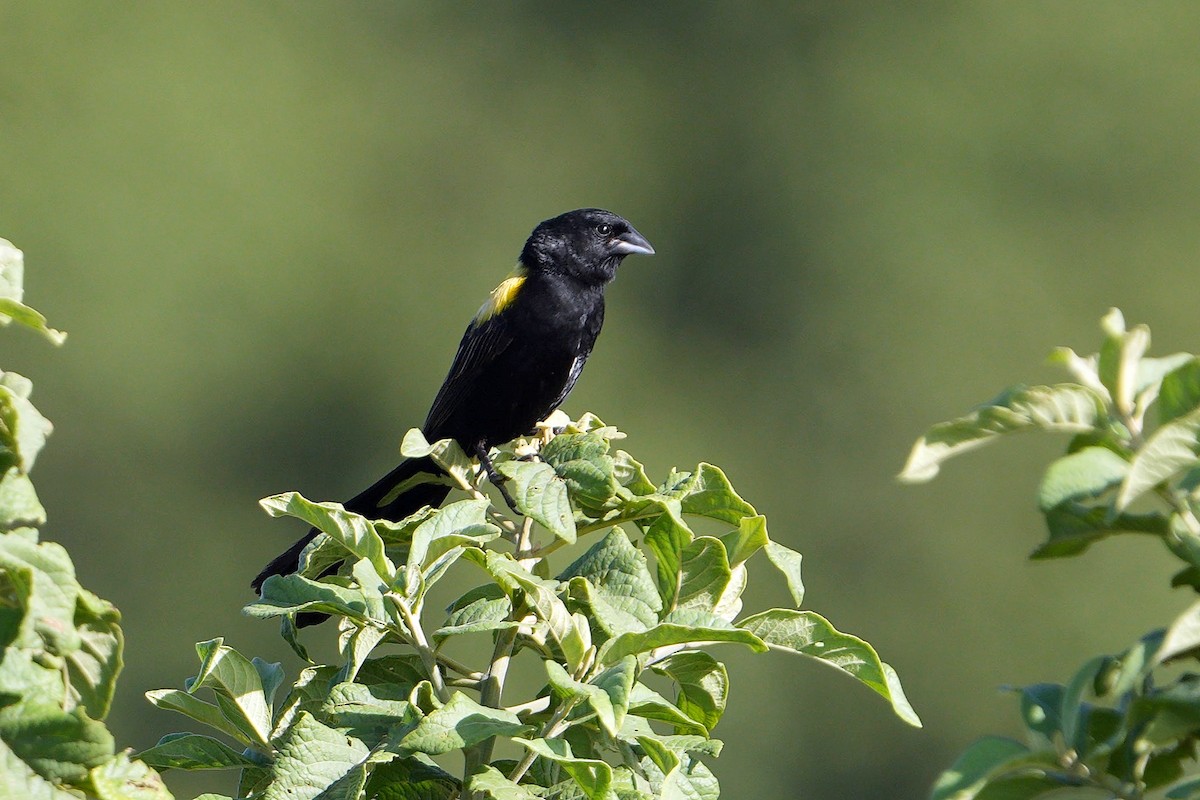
(518, 360)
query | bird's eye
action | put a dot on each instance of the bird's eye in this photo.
(604, 229)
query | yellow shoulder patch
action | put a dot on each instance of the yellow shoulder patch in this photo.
(502, 296)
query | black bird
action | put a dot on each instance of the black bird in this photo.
(517, 361)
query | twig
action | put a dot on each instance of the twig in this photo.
(549, 730)
(428, 656)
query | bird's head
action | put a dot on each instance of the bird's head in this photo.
(586, 244)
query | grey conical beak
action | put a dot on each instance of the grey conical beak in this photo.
(631, 242)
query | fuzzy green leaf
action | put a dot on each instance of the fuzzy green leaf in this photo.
(1074, 527)
(122, 779)
(625, 596)
(983, 761)
(352, 531)
(191, 751)
(1085, 473)
(582, 460)
(460, 723)
(94, 666)
(1169, 451)
(485, 613)
(541, 495)
(289, 594)
(12, 291)
(686, 626)
(811, 635)
(594, 777)
(195, 708)
(703, 685)
(787, 561)
(491, 783)
(311, 759)
(709, 494)
(1180, 391)
(238, 687)
(1063, 407)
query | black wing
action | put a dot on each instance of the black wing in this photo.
(482, 344)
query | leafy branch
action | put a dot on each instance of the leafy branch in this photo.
(648, 596)
(1124, 725)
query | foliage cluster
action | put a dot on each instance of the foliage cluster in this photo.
(1125, 725)
(640, 600)
(60, 645)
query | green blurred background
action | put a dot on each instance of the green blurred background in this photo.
(265, 225)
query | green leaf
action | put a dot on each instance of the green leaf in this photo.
(1120, 358)
(811, 635)
(93, 668)
(664, 771)
(1187, 789)
(1182, 637)
(446, 453)
(1169, 451)
(49, 590)
(369, 713)
(629, 473)
(1073, 713)
(675, 774)
(23, 429)
(666, 537)
(1086, 473)
(1074, 527)
(238, 687)
(352, 531)
(593, 776)
(460, 523)
(1180, 391)
(709, 494)
(542, 595)
(646, 703)
(625, 596)
(191, 751)
(582, 460)
(703, 574)
(980, 763)
(122, 779)
(411, 779)
(289, 594)
(686, 626)
(195, 708)
(19, 504)
(313, 757)
(1063, 407)
(460, 723)
(1169, 714)
(748, 539)
(59, 746)
(787, 561)
(541, 495)
(703, 685)
(564, 686)
(12, 278)
(1041, 710)
(1152, 372)
(607, 694)
(491, 783)
(487, 613)
(357, 643)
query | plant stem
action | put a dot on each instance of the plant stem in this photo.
(549, 730)
(428, 657)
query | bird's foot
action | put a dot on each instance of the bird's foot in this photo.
(495, 477)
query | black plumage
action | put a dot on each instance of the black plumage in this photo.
(518, 360)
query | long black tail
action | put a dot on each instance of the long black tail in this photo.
(415, 483)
